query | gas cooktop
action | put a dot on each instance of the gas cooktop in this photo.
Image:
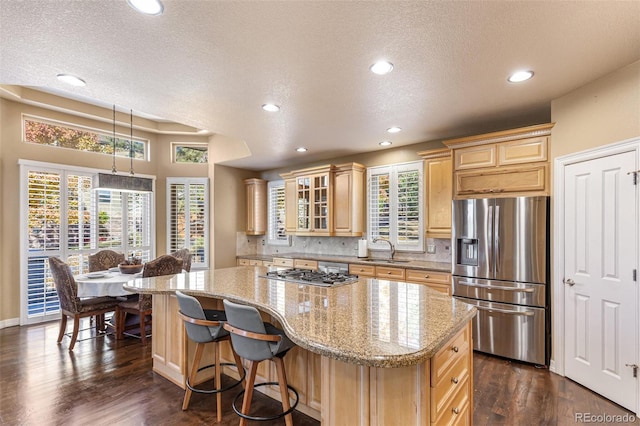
(305, 276)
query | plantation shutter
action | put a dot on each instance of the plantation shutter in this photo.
(187, 216)
(276, 213)
(395, 206)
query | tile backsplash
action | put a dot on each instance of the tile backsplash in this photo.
(335, 246)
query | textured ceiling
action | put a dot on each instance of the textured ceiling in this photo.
(212, 64)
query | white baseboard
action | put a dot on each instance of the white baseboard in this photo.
(9, 323)
(552, 366)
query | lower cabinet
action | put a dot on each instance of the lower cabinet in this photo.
(440, 281)
(437, 391)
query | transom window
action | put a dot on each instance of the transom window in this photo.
(395, 206)
(51, 133)
(190, 152)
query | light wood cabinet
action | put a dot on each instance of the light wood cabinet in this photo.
(440, 281)
(349, 200)
(325, 201)
(389, 273)
(502, 164)
(362, 270)
(305, 264)
(283, 262)
(439, 182)
(256, 190)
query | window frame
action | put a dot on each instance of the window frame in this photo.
(71, 126)
(207, 220)
(176, 145)
(272, 232)
(392, 170)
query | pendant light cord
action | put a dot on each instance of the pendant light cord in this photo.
(131, 145)
(113, 166)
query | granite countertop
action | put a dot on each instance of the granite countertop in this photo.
(410, 264)
(371, 322)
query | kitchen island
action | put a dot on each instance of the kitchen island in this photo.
(369, 352)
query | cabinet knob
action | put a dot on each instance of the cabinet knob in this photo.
(454, 380)
(455, 349)
(389, 273)
(426, 276)
(456, 410)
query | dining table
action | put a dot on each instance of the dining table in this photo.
(104, 283)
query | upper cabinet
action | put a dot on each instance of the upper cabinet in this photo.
(507, 163)
(438, 177)
(256, 190)
(325, 201)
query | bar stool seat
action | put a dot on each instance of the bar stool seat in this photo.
(205, 326)
(257, 341)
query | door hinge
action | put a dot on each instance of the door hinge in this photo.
(635, 369)
(635, 275)
(635, 176)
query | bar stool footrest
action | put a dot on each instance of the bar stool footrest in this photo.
(263, 419)
(213, 391)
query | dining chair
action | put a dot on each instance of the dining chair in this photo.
(141, 304)
(257, 341)
(74, 307)
(105, 259)
(204, 326)
(185, 255)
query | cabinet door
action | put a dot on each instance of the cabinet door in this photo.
(475, 157)
(522, 151)
(291, 205)
(321, 206)
(439, 195)
(256, 196)
(348, 206)
(303, 203)
(503, 181)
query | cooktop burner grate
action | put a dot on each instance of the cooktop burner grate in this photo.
(306, 276)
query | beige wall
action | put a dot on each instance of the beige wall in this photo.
(12, 149)
(229, 212)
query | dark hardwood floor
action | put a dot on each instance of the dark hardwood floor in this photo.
(109, 382)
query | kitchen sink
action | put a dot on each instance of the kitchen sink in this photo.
(385, 260)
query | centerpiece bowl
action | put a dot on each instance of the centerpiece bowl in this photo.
(130, 269)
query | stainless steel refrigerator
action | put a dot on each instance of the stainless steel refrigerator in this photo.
(500, 256)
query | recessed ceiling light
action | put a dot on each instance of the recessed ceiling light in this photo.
(519, 76)
(385, 143)
(72, 80)
(381, 67)
(148, 7)
(301, 149)
(271, 107)
(394, 129)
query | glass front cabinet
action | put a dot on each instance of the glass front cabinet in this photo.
(309, 200)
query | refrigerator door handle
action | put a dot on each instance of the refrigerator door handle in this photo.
(504, 311)
(490, 239)
(495, 287)
(496, 241)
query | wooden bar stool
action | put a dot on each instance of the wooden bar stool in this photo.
(205, 326)
(257, 341)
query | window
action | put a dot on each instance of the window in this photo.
(51, 133)
(276, 214)
(188, 218)
(190, 153)
(395, 206)
(63, 216)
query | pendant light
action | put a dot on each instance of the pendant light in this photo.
(122, 183)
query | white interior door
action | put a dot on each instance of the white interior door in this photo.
(601, 312)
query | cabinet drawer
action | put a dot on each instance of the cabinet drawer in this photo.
(475, 157)
(243, 262)
(457, 412)
(284, 262)
(390, 273)
(450, 384)
(418, 276)
(305, 264)
(444, 360)
(254, 262)
(523, 151)
(362, 270)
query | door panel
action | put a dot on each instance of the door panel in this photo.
(472, 238)
(601, 322)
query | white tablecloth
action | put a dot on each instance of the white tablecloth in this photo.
(109, 285)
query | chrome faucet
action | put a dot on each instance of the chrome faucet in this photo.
(392, 249)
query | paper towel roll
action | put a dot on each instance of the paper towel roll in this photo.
(362, 248)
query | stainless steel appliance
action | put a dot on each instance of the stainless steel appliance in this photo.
(500, 262)
(307, 276)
